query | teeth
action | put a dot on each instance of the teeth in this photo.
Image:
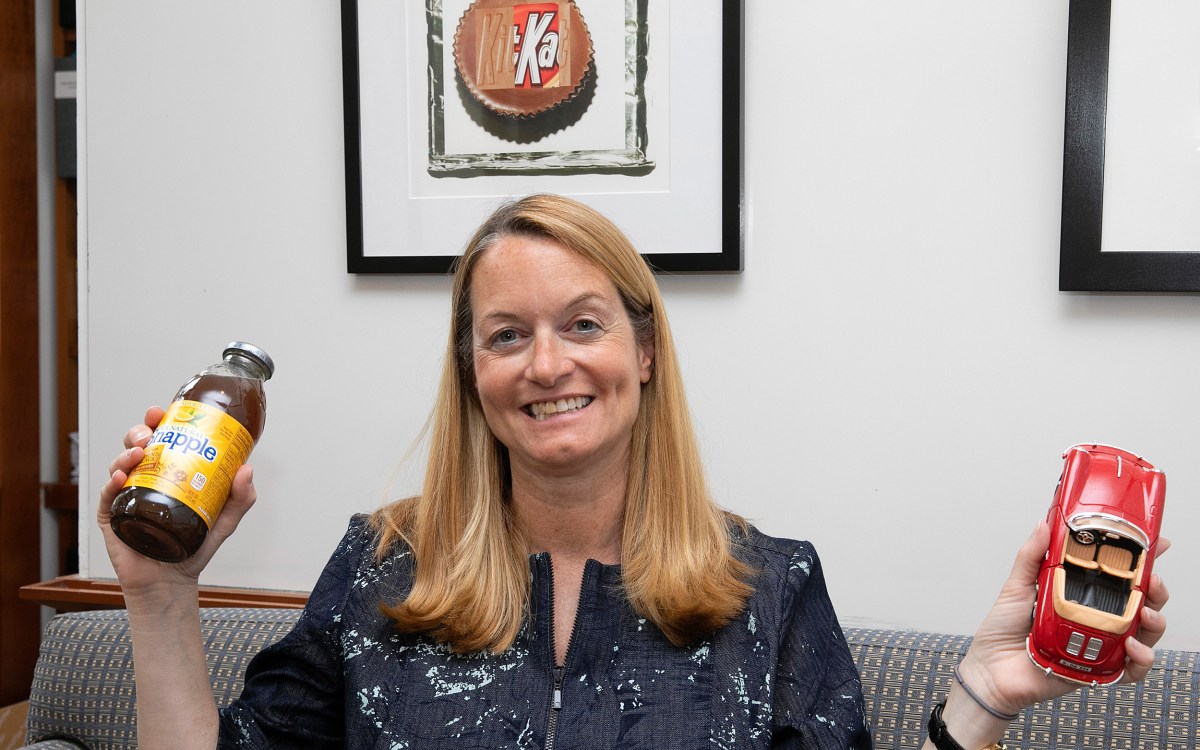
(545, 409)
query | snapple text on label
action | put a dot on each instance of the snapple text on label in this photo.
(193, 455)
(185, 441)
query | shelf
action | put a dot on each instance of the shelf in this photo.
(72, 594)
(62, 496)
(63, 499)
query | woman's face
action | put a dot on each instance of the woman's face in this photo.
(557, 366)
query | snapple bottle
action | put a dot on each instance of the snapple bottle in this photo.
(173, 496)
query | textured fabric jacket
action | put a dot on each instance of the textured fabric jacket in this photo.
(778, 676)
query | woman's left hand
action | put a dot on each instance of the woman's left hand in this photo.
(997, 667)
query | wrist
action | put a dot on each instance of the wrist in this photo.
(960, 723)
(161, 601)
(974, 673)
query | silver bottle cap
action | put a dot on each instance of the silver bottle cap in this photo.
(242, 347)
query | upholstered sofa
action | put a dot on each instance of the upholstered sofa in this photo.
(83, 696)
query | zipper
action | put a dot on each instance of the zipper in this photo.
(555, 707)
(558, 671)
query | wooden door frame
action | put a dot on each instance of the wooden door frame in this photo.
(20, 488)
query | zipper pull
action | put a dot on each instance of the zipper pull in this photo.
(556, 704)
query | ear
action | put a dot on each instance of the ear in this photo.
(646, 361)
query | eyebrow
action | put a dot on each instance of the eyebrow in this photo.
(583, 298)
(586, 297)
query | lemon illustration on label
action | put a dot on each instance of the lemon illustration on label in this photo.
(193, 455)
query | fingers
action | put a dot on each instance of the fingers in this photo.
(1140, 650)
(108, 493)
(138, 436)
(125, 461)
(1139, 659)
(135, 440)
(1152, 628)
(118, 472)
(1164, 544)
(1029, 557)
(1157, 594)
(1153, 622)
(154, 416)
(241, 498)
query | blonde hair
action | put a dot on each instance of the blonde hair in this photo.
(471, 582)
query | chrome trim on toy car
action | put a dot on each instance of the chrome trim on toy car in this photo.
(1109, 523)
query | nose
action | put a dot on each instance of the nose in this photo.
(549, 360)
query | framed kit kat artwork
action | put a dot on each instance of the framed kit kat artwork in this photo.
(454, 106)
(1131, 157)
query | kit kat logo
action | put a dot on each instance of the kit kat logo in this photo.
(535, 45)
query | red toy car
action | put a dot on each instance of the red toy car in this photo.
(1104, 526)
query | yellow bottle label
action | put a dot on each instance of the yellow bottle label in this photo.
(192, 457)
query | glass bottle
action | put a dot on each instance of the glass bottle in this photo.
(172, 497)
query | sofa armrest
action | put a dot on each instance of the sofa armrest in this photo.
(83, 686)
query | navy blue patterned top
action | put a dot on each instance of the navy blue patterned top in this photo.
(778, 676)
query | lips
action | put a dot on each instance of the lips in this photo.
(542, 410)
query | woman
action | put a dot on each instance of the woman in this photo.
(564, 578)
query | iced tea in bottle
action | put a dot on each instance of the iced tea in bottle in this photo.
(174, 494)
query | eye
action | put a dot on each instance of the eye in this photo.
(505, 336)
(586, 325)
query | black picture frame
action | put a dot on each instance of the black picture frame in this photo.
(729, 253)
(1082, 265)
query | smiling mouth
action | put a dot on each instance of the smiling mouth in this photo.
(546, 409)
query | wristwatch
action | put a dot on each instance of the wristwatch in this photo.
(941, 738)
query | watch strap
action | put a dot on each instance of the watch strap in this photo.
(941, 738)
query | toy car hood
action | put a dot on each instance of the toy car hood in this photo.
(1110, 489)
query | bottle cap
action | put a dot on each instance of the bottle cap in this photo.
(250, 350)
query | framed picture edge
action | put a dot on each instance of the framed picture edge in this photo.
(729, 258)
(1083, 267)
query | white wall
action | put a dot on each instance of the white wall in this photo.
(894, 376)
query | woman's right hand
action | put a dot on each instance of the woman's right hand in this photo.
(141, 576)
